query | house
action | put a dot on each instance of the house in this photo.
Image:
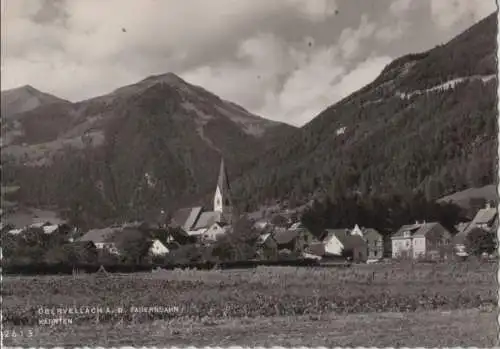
(102, 239)
(215, 230)
(293, 240)
(158, 248)
(195, 221)
(374, 241)
(267, 246)
(15, 231)
(485, 219)
(420, 240)
(332, 245)
(342, 242)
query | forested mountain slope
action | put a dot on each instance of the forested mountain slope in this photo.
(428, 123)
(153, 145)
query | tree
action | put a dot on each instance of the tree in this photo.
(134, 245)
(479, 241)
(239, 243)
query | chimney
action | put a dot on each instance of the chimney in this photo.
(488, 205)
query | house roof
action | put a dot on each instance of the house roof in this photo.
(194, 215)
(297, 225)
(284, 236)
(263, 238)
(39, 225)
(417, 229)
(462, 226)
(15, 231)
(371, 232)
(484, 216)
(351, 241)
(461, 237)
(207, 219)
(82, 244)
(98, 235)
(49, 229)
(186, 217)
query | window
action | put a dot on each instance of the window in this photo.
(406, 234)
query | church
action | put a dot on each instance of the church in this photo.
(207, 225)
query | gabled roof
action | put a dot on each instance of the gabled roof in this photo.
(284, 236)
(49, 229)
(371, 232)
(297, 225)
(194, 215)
(462, 226)
(351, 241)
(484, 216)
(461, 237)
(416, 230)
(207, 219)
(98, 235)
(263, 238)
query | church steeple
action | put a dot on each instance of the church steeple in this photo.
(222, 198)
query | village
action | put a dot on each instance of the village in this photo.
(278, 236)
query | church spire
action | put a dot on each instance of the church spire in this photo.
(222, 199)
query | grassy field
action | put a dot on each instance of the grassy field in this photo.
(441, 304)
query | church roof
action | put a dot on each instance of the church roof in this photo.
(207, 219)
(186, 217)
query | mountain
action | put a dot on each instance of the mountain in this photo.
(427, 123)
(150, 145)
(25, 98)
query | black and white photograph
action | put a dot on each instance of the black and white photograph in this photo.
(249, 173)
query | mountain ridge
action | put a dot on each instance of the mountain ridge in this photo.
(148, 145)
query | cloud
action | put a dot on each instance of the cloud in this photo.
(286, 60)
(158, 36)
(316, 10)
(400, 8)
(350, 39)
(320, 83)
(447, 13)
(392, 32)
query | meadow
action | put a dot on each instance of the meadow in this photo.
(207, 299)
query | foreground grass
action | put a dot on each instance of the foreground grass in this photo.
(464, 328)
(264, 292)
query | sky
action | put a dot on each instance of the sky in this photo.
(284, 60)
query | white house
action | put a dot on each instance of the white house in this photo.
(158, 249)
(333, 246)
